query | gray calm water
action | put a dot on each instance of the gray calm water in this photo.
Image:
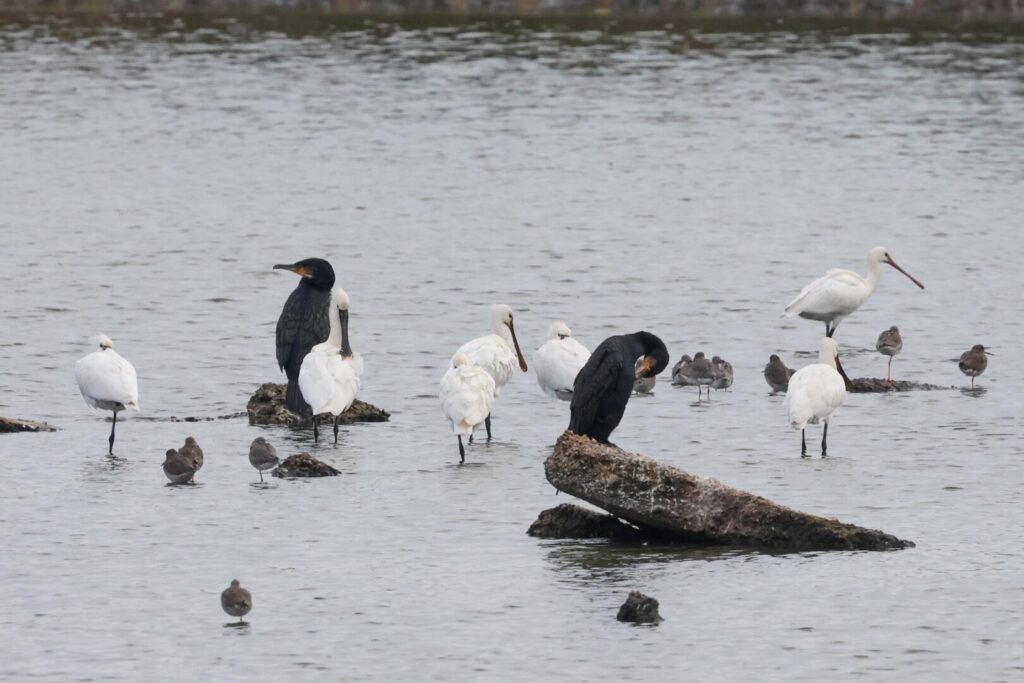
(688, 184)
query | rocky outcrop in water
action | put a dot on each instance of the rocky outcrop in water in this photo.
(692, 508)
(569, 521)
(639, 609)
(10, 425)
(871, 385)
(303, 465)
(266, 407)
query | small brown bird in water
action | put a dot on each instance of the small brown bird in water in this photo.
(178, 468)
(702, 373)
(777, 374)
(193, 452)
(262, 455)
(236, 601)
(643, 385)
(889, 344)
(974, 362)
(723, 373)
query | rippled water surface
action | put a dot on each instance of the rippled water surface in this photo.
(687, 183)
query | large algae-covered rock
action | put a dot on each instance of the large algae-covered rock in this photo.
(872, 385)
(303, 465)
(11, 424)
(266, 407)
(650, 494)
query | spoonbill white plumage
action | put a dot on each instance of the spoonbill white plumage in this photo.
(558, 361)
(496, 352)
(107, 381)
(331, 373)
(467, 396)
(815, 392)
(839, 292)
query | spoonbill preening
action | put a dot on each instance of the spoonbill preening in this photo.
(558, 361)
(815, 392)
(467, 396)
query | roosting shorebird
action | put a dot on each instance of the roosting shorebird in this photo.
(605, 383)
(973, 362)
(467, 396)
(304, 323)
(107, 381)
(236, 601)
(558, 361)
(814, 394)
(178, 469)
(681, 371)
(262, 455)
(777, 374)
(722, 373)
(889, 344)
(839, 292)
(643, 385)
(497, 353)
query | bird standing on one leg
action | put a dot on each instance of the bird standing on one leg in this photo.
(889, 344)
(108, 382)
(605, 383)
(236, 601)
(467, 396)
(973, 363)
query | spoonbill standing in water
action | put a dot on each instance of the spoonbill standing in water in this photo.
(558, 361)
(496, 352)
(839, 292)
(815, 392)
(330, 375)
(107, 381)
(467, 396)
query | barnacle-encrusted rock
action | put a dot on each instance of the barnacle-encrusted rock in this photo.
(266, 407)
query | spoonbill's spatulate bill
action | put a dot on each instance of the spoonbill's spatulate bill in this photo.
(777, 374)
(889, 344)
(973, 363)
(558, 361)
(815, 392)
(467, 396)
(236, 601)
(304, 323)
(497, 353)
(262, 455)
(331, 374)
(107, 381)
(839, 293)
(605, 383)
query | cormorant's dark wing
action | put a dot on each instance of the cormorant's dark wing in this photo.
(303, 324)
(596, 386)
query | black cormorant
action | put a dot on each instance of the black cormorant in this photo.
(304, 323)
(603, 386)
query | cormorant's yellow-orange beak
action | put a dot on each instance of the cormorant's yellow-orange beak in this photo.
(646, 366)
(301, 271)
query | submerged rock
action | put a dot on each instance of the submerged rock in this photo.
(639, 609)
(870, 385)
(692, 508)
(572, 521)
(303, 465)
(266, 407)
(12, 424)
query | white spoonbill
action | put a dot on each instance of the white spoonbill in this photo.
(467, 396)
(815, 392)
(839, 292)
(558, 361)
(330, 375)
(107, 381)
(496, 352)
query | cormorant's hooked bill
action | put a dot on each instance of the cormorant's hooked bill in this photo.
(603, 387)
(317, 271)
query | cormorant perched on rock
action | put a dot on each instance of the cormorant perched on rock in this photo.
(304, 323)
(605, 383)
